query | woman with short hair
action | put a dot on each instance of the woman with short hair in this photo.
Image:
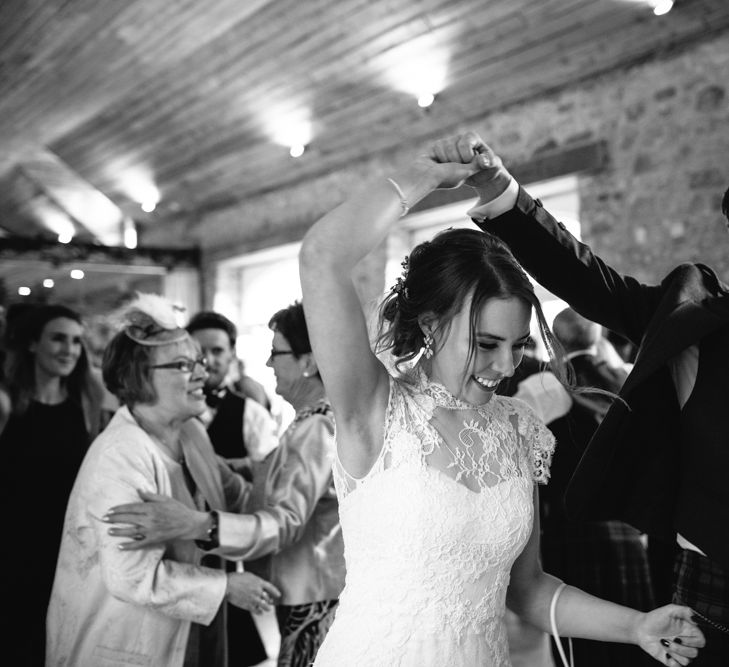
(117, 607)
(293, 518)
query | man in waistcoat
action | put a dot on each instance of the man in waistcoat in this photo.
(243, 432)
(660, 457)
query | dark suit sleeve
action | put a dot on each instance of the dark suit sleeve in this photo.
(570, 270)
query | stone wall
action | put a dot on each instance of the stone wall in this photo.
(655, 203)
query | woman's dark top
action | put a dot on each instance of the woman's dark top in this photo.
(42, 451)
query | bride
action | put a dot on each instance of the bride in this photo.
(436, 475)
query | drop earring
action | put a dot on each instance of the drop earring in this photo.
(428, 346)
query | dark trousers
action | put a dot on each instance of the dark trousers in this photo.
(704, 586)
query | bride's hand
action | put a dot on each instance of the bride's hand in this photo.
(669, 635)
(456, 159)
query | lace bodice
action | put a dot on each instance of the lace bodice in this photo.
(432, 531)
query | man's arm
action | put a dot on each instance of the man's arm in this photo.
(563, 265)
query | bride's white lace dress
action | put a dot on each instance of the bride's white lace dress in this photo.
(432, 531)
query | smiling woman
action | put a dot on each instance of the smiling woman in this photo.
(53, 411)
(149, 605)
(292, 519)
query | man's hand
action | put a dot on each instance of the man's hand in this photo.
(157, 520)
(490, 178)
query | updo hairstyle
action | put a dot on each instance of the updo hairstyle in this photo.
(439, 276)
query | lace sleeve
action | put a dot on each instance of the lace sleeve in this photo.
(539, 442)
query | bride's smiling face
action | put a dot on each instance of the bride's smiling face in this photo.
(502, 332)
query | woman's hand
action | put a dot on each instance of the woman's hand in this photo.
(669, 635)
(247, 591)
(157, 520)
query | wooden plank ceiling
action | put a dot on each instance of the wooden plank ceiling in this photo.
(194, 101)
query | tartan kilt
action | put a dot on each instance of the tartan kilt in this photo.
(606, 559)
(703, 585)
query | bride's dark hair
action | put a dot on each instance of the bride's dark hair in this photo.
(438, 277)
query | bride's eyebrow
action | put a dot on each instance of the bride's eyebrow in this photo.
(486, 334)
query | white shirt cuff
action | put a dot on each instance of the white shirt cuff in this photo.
(491, 209)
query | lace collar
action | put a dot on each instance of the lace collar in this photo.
(441, 397)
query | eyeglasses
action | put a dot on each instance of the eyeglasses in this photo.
(185, 365)
(276, 353)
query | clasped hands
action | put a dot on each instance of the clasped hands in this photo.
(466, 158)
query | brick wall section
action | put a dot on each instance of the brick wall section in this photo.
(665, 123)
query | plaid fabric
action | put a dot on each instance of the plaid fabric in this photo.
(704, 586)
(606, 559)
(303, 628)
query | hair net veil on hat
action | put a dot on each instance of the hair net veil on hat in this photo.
(152, 320)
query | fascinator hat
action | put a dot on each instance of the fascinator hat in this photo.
(152, 321)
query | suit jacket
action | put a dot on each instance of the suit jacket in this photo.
(631, 469)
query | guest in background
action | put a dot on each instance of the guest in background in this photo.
(243, 432)
(51, 410)
(605, 558)
(113, 606)
(298, 522)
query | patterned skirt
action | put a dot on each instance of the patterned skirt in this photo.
(703, 585)
(303, 628)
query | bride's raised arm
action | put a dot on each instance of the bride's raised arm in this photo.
(355, 380)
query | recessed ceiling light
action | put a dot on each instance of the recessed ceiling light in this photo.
(425, 99)
(24, 291)
(77, 274)
(48, 282)
(297, 150)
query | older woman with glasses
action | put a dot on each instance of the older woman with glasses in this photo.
(297, 520)
(114, 606)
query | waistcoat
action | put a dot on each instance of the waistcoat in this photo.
(226, 429)
(703, 497)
